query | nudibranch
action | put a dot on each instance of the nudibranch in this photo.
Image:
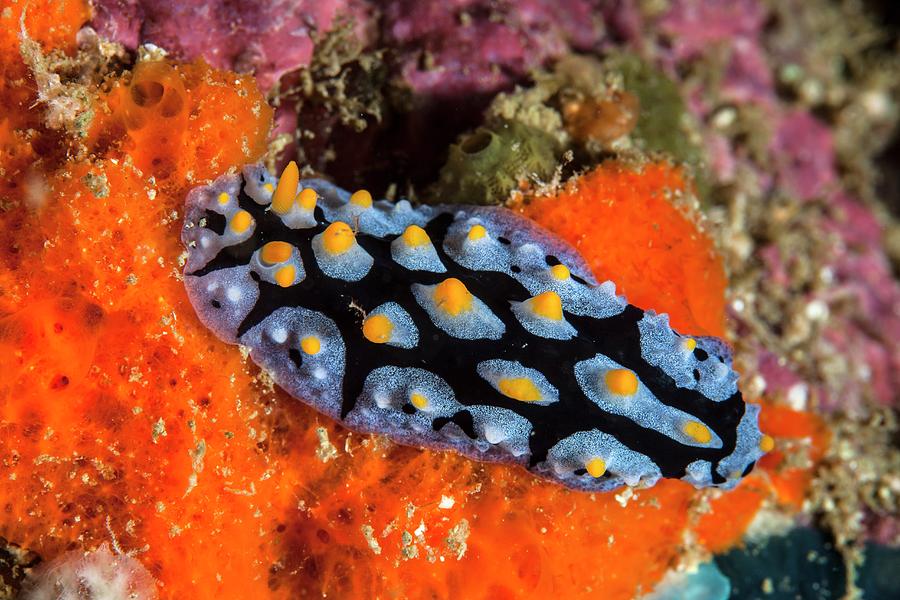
(461, 327)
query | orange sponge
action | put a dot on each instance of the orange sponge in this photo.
(627, 225)
(185, 122)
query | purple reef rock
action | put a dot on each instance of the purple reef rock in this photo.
(268, 38)
(481, 47)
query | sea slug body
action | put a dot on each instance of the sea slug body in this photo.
(461, 327)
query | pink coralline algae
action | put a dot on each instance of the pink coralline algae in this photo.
(822, 290)
(863, 276)
(696, 24)
(868, 331)
(731, 27)
(469, 46)
(803, 154)
(268, 38)
(480, 47)
(801, 162)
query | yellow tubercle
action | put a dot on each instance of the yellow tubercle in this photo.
(223, 198)
(307, 199)
(286, 275)
(283, 198)
(361, 198)
(415, 236)
(378, 329)
(547, 305)
(418, 400)
(690, 344)
(310, 345)
(275, 252)
(767, 443)
(560, 272)
(477, 232)
(595, 467)
(519, 388)
(697, 431)
(452, 297)
(338, 238)
(622, 382)
(241, 221)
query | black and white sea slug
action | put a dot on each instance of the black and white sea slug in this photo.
(461, 327)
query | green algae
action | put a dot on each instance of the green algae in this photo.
(485, 166)
(662, 124)
(525, 130)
